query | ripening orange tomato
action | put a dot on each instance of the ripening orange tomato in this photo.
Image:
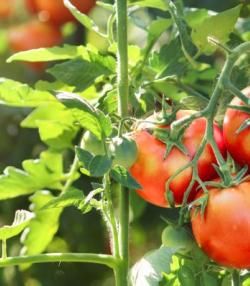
(31, 5)
(6, 8)
(56, 12)
(237, 143)
(34, 35)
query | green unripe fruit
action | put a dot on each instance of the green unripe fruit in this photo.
(92, 144)
(124, 151)
(177, 236)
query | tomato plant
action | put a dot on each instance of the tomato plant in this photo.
(152, 169)
(220, 231)
(236, 131)
(56, 12)
(101, 156)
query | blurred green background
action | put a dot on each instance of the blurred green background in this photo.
(77, 232)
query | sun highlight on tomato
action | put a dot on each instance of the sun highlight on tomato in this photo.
(224, 231)
(152, 171)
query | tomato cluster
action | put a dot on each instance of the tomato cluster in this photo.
(43, 27)
(152, 169)
(223, 230)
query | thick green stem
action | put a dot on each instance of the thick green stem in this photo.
(103, 259)
(122, 57)
(109, 212)
(236, 278)
(122, 91)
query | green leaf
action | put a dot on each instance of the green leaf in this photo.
(83, 18)
(46, 171)
(123, 177)
(148, 270)
(38, 174)
(79, 73)
(169, 61)
(186, 276)
(159, 4)
(86, 115)
(83, 156)
(157, 27)
(105, 122)
(224, 23)
(15, 182)
(56, 135)
(50, 54)
(99, 165)
(21, 220)
(55, 123)
(72, 100)
(196, 17)
(108, 103)
(43, 227)
(95, 166)
(18, 94)
(73, 197)
(193, 102)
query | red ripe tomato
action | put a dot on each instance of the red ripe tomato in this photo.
(31, 5)
(58, 14)
(34, 35)
(237, 144)
(152, 171)
(6, 8)
(224, 230)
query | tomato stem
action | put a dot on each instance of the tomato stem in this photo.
(103, 259)
(109, 213)
(210, 111)
(121, 272)
(236, 278)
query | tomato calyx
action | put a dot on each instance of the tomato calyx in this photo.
(164, 135)
(227, 176)
(199, 204)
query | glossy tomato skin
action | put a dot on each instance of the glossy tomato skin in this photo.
(152, 171)
(58, 14)
(224, 231)
(237, 144)
(33, 35)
